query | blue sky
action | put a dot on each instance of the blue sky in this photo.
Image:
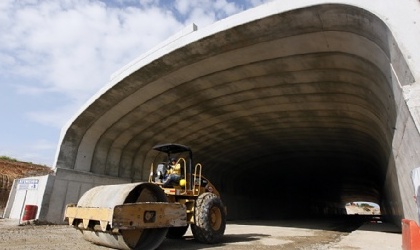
(54, 55)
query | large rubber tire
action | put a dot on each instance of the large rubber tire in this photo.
(210, 219)
(176, 232)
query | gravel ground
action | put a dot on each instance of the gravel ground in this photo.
(287, 234)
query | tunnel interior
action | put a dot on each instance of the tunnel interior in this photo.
(290, 114)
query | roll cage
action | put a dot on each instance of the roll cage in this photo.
(173, 148)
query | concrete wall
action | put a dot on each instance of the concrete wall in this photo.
(53, 193)
(397, 201)
(398, 186)
(23, 194)
(68, 187)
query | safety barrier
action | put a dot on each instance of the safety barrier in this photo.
(410, 235)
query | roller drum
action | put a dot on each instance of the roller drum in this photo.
(109, 196)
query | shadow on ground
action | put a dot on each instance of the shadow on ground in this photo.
(237, 233)
(339, 223)
(188, 242)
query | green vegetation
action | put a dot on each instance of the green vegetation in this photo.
(10, 159)
(365, 205)
(7, 158)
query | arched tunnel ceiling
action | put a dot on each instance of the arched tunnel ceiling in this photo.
(298, 97)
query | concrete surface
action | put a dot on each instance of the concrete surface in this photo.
(315, 101)
(372, 237)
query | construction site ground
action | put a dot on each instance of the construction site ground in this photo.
(345, 232)
(321, 233)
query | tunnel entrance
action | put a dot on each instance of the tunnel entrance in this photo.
(291, 114)
(301, 190)
(312, 171)
(300, 134)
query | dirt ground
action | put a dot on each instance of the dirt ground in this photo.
(287, 234)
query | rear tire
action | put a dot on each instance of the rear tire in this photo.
(210, 219)
(176, 232)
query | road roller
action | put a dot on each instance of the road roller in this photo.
(141, 215)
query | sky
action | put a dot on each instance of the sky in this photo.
(56, 54)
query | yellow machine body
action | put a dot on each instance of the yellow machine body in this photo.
(140, 215)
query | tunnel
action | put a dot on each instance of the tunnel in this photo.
(291, 114)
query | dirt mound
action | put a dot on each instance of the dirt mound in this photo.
(16, 169)
(11, 170)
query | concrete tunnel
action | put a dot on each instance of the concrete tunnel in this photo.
(292, 110)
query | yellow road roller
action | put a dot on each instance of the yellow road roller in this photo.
(140, 215)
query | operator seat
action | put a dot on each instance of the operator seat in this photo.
(160, 172)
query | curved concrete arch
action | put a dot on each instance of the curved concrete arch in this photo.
(305, 99)
(225, 93)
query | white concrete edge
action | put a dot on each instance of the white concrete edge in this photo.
(404, 27)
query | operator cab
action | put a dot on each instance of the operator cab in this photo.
(182, 155)
(190, 182)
